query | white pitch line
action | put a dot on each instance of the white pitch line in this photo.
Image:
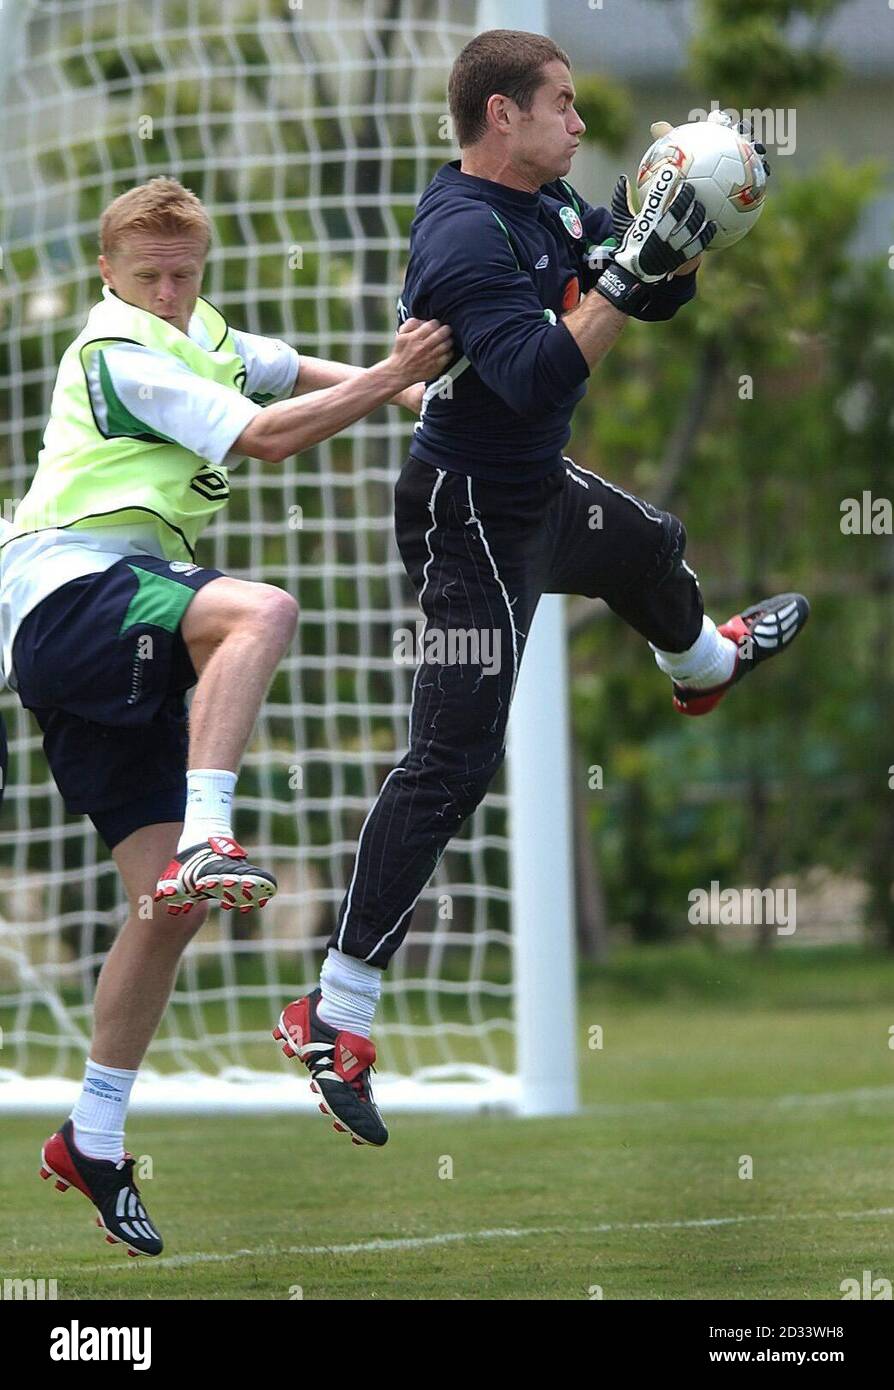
(368, 1247)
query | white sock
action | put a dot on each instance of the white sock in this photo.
(351, 990)
(710, 660)
(100, 1111)
(209, 806)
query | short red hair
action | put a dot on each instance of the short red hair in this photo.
(162, 206)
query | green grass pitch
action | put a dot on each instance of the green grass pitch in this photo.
(705, 1060)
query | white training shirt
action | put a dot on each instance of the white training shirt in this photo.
(199, 414)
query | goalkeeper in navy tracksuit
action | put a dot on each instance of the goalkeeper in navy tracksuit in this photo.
(490, 513)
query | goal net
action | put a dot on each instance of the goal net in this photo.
(309, 130)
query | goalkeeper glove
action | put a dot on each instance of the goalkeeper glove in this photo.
(670, 229)
(623, 211)
(743, 128)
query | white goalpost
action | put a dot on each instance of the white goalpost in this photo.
(309, 130)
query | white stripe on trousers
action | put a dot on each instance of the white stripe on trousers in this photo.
(431, 555)
(429, 533)
(493, 564)
(637, 502)
(630, 497)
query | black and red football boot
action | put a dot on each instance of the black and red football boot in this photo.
(339, 1064)
(109, 1186)
(218, 868)
(759, 632)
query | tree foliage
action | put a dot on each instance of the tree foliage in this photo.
(752, 416)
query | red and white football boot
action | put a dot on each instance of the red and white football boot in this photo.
(218, 868)
(759, 632)
(339, 1063)
(109, 1186)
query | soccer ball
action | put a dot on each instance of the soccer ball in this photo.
(727, 173)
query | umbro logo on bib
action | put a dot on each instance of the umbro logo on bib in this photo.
(211, 484)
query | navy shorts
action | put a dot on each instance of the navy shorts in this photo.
(102, 665)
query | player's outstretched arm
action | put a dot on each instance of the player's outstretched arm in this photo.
(421, 351)
(318, 373)
(652, 245)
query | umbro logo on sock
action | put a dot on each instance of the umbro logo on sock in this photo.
(104, 1088)
(103, 1095)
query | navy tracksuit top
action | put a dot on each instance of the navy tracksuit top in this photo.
(501, 267)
